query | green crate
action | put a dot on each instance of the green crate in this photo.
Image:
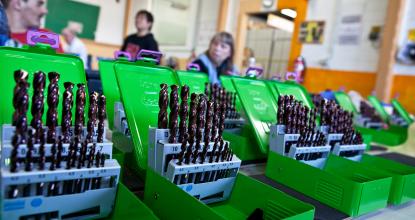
(139, 85)
(128, 206)
(392, 136)
(34, 58)
(342, 184)
(403, 177)
(170, 202)
(110, 86)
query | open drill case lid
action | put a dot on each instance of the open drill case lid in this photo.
(391, 136)
(366, 201)
(400, 110)
(139, 85)
(39, 55)
(109, 82)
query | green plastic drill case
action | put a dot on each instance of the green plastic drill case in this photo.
(392, 136)
(401, 111)
(170, 202)
(139, 85)
(346, 189)
(32, 58)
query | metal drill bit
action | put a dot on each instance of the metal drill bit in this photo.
(53, 101)
(101, 117)
(174, 114)
(79, 109)
(67, 105)
(184, 108)
(163, 104)
(37, 108)
(92, 116)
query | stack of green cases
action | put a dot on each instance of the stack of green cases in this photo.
(396, 106)
(403, 185)
(342, 184)
(243, 142)
(139, 87)
(43, 57)
(392, 136)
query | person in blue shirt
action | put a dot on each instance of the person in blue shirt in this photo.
(218, 59)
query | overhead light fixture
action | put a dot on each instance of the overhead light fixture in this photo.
(280, 23)
(289, 12)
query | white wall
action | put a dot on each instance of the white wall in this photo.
(408, 22)
(331, 55)
(110, 22)
(206, 14)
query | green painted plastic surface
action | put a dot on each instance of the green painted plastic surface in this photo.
(195, 80)
(109, 87)
(378, 107)
(345, 102)
(401, 111)
(139, 87)
(34, 59)
(243, 144)
(168, 201)
(260, 108)
(392, 136)
(128, 206)
(342, 184)
(403, 177)
(292, 88)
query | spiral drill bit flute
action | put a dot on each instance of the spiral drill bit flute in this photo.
(67, 105)
(184, 108)
(52, 100)
(79, 110)
(208, 127)
(163, 104)
(37, 109)
(92, 116)
(201, 109)
(174, 114)
(20, 104)
(101, 117)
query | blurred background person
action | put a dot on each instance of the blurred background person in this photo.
(143, 39)
(73, 44)
(24, 15)
(218, 59)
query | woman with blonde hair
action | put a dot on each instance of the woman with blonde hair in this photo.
(218, 59)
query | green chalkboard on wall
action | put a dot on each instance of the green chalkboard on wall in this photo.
(63, 12)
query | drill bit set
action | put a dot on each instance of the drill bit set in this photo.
(219, 94)
(295, 135)
(45, 167)
(337, 125)
(368, 117)
(187, 146)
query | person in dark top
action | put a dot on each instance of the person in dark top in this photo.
(143, 39)
(218, 59)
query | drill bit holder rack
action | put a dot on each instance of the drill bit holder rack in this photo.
(80, 192)
(315, 156)
(208, 182)
(120, 119)
(350, 151)
(367, 123)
